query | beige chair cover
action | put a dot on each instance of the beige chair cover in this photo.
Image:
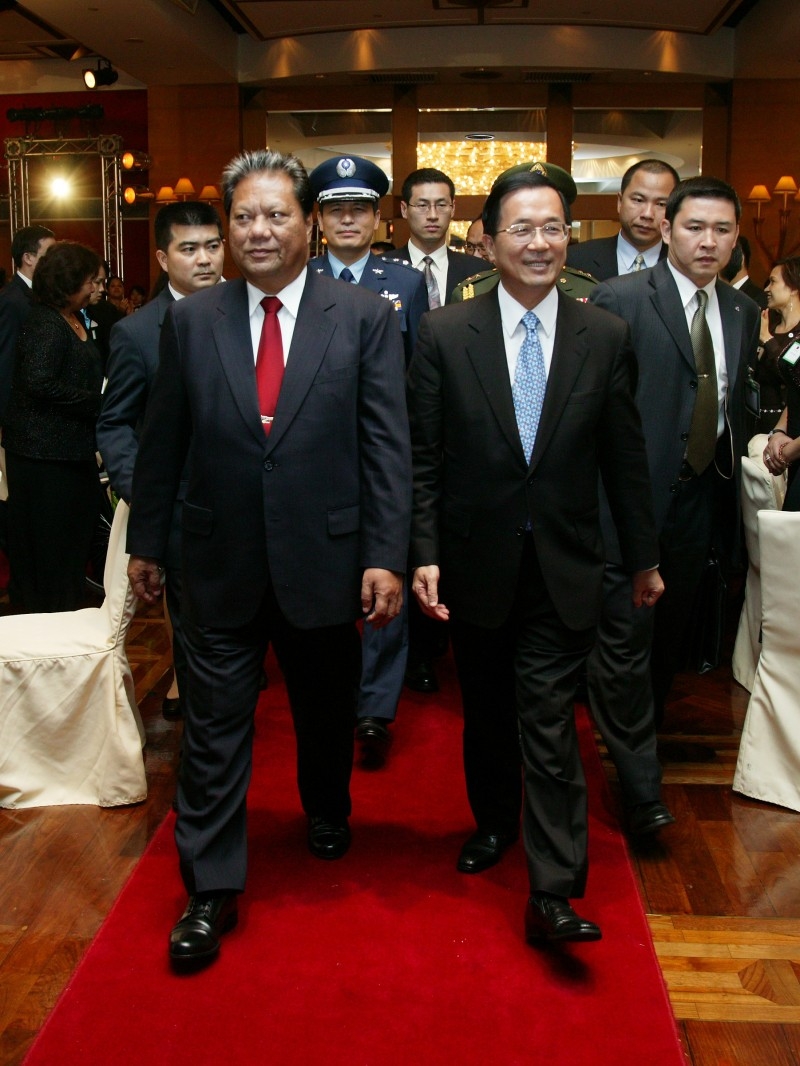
(760, 491)
(70, 730)
(768, 767)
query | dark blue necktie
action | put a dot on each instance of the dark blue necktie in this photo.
(347, 275)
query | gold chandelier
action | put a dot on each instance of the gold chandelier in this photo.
(474, 165)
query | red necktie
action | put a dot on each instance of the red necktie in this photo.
(269, 361)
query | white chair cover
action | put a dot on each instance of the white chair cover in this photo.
(760, 491)
(70, 729)
(768, 767)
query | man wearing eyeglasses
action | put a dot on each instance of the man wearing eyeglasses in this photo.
(427, 202)
(520, 400)
(474, 245)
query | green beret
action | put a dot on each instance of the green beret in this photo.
(556, 176)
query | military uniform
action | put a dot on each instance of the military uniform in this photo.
(571, 282)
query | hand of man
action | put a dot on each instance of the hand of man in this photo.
(647, 587)
(426, 588)
(381, 595)
(146, 577)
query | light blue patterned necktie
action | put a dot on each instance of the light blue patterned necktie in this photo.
(347, 275)
(530, 382)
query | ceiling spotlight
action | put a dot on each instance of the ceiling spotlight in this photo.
(103, 75)
(135, 161)
(133, 194)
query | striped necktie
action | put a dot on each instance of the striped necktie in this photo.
(434, 299)
(347, 275)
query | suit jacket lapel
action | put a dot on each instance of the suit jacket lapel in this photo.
(486, 352)
(231, 332)
(730, 309)
(667, 304)
(312, 335)
(570, 350)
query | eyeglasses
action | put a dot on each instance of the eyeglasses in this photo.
(440, 206)
(473, 248)
(524, 233)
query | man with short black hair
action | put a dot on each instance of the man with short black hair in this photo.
(519, 401)
(283, 392)
(27, 247)
(427, 202)
(693, 337)
(190, 250)
(642, 198)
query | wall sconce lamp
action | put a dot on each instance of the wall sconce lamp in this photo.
(184, 190)
(104, 74)
(759, 195)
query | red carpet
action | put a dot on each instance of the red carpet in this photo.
(388, 957)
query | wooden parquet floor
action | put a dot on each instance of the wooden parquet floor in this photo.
(721, 887)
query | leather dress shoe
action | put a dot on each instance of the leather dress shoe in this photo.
(375, 740)
(171, 708)
(195, 939)
(647, 819)
(328, 840)
(483, 850)
(421, 677)
(552, 918)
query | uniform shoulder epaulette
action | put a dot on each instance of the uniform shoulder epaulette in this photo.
(581, 274)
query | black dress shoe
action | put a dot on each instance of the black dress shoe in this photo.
(171, 708)
(483, 850)
(421, 677)
(195, 939)
(552, 918)
(375, 740)
(648, 818)
(328, 840)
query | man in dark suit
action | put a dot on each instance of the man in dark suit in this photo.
(519, 401)
(693, 337)
(737, 273)
(286, 392)
(191, 251)
(27, 247)
(427, 202)
(347, 190)
(642, 198)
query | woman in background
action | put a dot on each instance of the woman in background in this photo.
(49, 438)
(782, 350)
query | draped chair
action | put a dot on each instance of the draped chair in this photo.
(70, 729)
(760, 491)
(768, 767)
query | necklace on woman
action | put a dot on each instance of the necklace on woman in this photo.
(73, 321)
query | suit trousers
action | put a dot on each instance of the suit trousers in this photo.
(384, 653)
(518, 685)
(321, 668)
(684, 545)
(621, 691)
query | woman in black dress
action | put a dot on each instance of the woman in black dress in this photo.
(783, 447)
(48, 435)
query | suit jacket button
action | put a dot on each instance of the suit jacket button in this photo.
(684, 436)
(268, 464)
(692, 384)
(673, 488)
(520, 530)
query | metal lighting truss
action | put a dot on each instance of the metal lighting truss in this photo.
(108, 149)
